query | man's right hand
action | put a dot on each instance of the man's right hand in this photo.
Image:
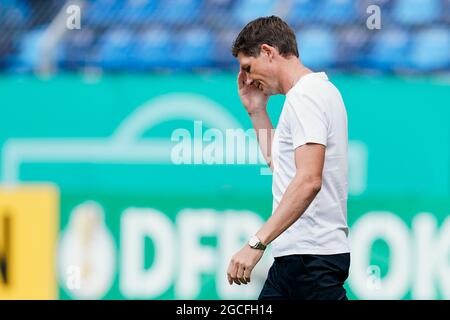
(253, 99)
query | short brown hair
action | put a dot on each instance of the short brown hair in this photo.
(269, 30)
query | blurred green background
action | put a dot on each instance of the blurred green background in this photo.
(99, 98)
(166, 231)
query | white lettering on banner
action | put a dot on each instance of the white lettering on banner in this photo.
(233, 228)
(135, 281)
(87, 253)
(373, 280)
(388, 227)
(418, 257)
(443, 253)
(425, 229)
(196, 258)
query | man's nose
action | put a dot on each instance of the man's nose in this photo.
(249, 80)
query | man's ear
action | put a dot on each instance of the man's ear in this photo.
(269, 51)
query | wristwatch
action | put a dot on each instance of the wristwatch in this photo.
(255, 243)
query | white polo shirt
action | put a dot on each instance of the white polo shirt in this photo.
(313, 112)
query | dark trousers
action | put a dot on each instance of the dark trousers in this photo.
(307, 277)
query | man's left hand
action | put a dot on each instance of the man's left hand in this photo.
(242, 264)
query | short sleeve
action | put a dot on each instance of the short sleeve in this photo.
(307, 121)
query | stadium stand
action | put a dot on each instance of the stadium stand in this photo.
(183, 35)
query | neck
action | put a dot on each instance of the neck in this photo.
(293, 70)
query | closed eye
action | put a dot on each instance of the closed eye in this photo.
(246, 69)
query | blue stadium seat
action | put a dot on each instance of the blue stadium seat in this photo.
(194, 49)
(77, 49)
(389, 50)
(246, 10)
(352, 41)
(416, 12)
(217, 12)
(178, 11)
(138, 12)
(430, 50)
(222, 51)
(29, 50)
(317, 47)
(115, 50)
(218, 5)
(175, 34)
(445, 14)
(13, 13)
(303, 11)
(152, 49)
(103, 12)
(338, 11)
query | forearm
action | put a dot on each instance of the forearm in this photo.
(298, 196)
(264, 133)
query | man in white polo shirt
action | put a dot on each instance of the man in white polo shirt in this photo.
(308, 156)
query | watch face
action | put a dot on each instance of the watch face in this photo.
(253, 241)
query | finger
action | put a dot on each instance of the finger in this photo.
(240, 79)
(230, 281)
(240, 274)
(235, 278)
(247, 273)
(230, 273)
(233, 272)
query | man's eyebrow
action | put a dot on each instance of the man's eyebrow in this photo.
(245, 67)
